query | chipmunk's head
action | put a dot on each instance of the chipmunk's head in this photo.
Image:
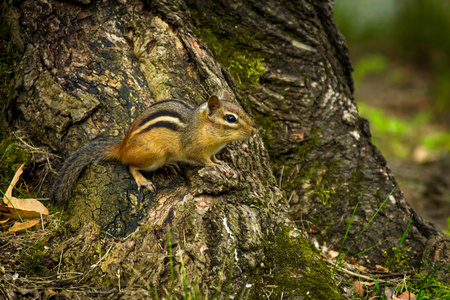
(230, 122)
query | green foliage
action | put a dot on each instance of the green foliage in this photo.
(400, 259)
(372, 64)
(418, 28)
(426, 286)
(362, 21)
(399, 137)
(409, 30)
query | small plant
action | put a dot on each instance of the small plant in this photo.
(187, 293)
(340, 257)
(400, 257)
(448, 227)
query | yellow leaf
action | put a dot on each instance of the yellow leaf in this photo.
(406, 296)
(8, 194)
(333, 254)
(358, 288)
(20, 226)
(26, 208)
(381, 268)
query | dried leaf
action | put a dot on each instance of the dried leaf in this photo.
(405, 296)
(8, 194)
(20, 226)
(26, 208)
(358, 286)
(381, 268)
(362, 268)
(333, 254)
(4, 221)
(352, 261)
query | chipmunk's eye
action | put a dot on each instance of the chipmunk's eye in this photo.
(230, 118)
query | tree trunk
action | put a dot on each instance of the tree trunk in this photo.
(85, 70)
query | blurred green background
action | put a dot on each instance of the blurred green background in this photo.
(400, 51)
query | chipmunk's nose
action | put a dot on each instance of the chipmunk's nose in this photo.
(254, 130)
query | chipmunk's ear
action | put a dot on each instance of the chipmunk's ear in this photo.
(213, 104)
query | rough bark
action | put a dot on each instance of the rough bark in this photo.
(84, 70)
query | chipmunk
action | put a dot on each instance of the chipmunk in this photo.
(169, 131)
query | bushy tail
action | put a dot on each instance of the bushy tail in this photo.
(74, 165)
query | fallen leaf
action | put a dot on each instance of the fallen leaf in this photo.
(381, 268)
(362, 268)
(388, 293)
(26, 208)
(358, 288)
(4, 221)
(8, 194)
(333, 254)
(20, 226)
(352, 261)
(10, 212)
(405, 296)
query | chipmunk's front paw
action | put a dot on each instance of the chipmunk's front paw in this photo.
(148, 185)
(141, 180)
(222, 167)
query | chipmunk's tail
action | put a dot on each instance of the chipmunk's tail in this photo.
(74, 165)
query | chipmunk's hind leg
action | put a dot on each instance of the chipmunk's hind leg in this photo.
(141, 180)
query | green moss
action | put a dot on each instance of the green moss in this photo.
(33, 259)
(232, 49)
(11, 157)
(322, 177)
(397, 259)
(292, 268)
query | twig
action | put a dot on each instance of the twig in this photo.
(96, 264)
(59, 264)
(102, 292)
